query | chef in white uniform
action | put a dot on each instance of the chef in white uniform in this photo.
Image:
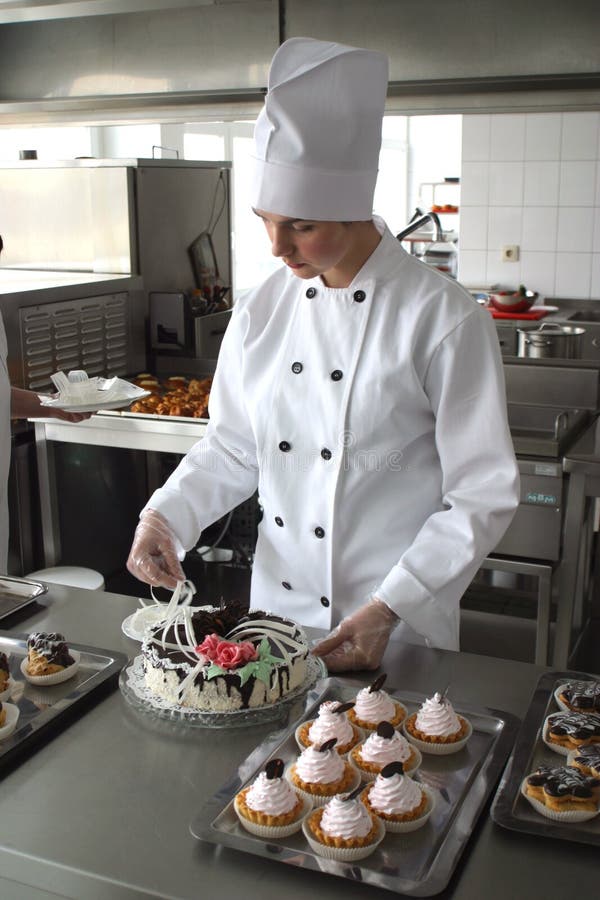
(361, 392)
(15, 403)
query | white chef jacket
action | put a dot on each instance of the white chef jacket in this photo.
(372, 419)
(4, 447)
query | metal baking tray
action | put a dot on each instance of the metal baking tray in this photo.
(42, 709)
(509, 808)
(15, 593)
(419, 863)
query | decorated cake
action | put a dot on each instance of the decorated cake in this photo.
(223, 659)
(270, 807)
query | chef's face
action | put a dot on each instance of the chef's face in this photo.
(311, 248)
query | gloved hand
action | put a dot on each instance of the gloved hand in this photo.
(359, 641)
(153, 555)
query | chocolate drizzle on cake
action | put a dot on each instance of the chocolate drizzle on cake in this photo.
(4, 667)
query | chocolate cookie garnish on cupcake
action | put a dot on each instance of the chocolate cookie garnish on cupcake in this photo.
(373, 705)
(49, 659)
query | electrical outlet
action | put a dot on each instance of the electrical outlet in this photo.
(510, 253)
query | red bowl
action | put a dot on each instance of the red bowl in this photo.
(511, 302)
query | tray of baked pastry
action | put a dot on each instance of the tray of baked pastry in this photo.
(33, 707)
(560, 735)
(416, 862)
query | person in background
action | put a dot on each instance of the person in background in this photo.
(359, 390)
(16, 403)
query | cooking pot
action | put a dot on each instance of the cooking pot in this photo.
(550, 340)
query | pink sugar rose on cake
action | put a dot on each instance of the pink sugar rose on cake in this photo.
(227, 654)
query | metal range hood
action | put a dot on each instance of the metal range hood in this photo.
(79, 60)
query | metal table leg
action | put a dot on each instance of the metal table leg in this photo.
(568, 581)
(48, 496)
(543, 573)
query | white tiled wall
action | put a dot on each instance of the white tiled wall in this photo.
(532, 180)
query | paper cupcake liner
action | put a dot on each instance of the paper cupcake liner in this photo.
(368, 777)
(272, 832)
(56, 677)
(567, 816)
(438, 749)
(358, 731)
(12, 717)
(342, 854)
(373, 725)
(6, 695)
(321, 799)
(412, 824)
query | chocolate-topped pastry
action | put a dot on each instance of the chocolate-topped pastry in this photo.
(581, 696)
(47, 653)
(563, 789)
(4, 672)
(586, 759)
(572, 730)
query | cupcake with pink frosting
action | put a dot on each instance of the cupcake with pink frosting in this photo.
(384, 746)
(343, 830)
(332, 722)
(437, 728)
(372, 706)
(320, 773)
(401, 803)
(270, 807)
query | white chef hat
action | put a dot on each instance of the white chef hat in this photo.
(318, 136)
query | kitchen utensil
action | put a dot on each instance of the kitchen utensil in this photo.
(513, 301)
(550, 339)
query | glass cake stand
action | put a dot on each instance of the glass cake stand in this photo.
(137, 695)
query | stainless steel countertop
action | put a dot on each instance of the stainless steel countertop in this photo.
(103, 810)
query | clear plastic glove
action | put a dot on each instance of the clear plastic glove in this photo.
(153, 555)
(359, 641)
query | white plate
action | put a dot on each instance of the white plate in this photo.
(137, 624)
(118, 403)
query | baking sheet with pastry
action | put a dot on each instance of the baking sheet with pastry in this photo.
(509, 808)
(42, 709)
(419, 863)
